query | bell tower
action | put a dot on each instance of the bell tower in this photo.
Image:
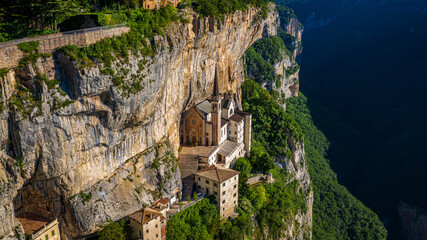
(216, 110)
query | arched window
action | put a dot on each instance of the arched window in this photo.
(231, 111)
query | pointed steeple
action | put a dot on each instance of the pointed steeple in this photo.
(216, 87)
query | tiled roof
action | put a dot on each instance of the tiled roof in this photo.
(228, 147)
(205, 106)
(223, 122)
(32, 222)
(144, 215)
(164, 201)
(242, 112)
(216, 173)
(236, 117)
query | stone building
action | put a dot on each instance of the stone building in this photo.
(217, 122)
(148, 224)
(223, 183)
(38, 227)
(156, 4)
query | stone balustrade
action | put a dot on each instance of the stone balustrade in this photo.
(10, 55)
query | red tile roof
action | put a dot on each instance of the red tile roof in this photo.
(144, 215)
(32, 222)
(216, 173)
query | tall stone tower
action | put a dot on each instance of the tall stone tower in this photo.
(216, 111)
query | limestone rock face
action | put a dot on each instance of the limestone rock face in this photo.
(294, 27)
(414, 222)
(104, 155)
(297, 167)
(290, 81)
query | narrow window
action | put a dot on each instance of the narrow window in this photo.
(223, 201)
(235, 186)
(46, 237)
(223, 193)
(207, 182)
(223, 184)
(234, 195)
(53, 233)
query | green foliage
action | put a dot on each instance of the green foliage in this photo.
(289, 40)
(139, 41)
(105, 19)
(20, 163)
(199, 221)
(336, 213)
(258, 68)
(218, 8)
(86, 197)
(292, 70)
(115, 231)
(278, 83)
(3, 72)
(273, 205)
(244, 167)
(24, 101)
(31, 47)
(51, 84)
(31, 53)
(271, 124)
(155, 164)
(271, 49)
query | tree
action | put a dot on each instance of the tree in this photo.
(115, 231)
(60, 9)
(244, 167)
(258, 196)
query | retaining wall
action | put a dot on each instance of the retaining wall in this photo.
(10, 55)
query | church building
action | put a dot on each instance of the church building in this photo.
(218, 123)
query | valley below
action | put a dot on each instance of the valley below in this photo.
(364, 75)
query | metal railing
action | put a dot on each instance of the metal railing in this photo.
(187, 206)
(58, 35)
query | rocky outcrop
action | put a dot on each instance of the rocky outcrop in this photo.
(288, 68)
(301, 228)
(414, 222)
(288, 78)
(295, 28)
(101, 155)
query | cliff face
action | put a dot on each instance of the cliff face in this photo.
(91, 160)
(288, 69)
(414, 222)
(301, 228)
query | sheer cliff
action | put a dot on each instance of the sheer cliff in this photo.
(83, 151)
